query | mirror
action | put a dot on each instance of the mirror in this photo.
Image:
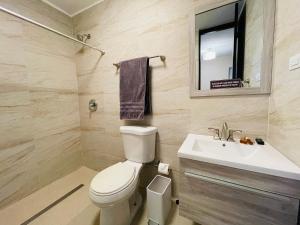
(231, 48)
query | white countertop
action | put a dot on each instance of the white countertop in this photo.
(257, 158)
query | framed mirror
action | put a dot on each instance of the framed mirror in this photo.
(231, 48)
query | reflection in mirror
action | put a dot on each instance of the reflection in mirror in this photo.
(216, 59)
(228, 46)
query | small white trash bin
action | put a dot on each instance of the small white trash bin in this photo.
(158, 200)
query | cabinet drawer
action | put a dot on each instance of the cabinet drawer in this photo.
(210, 201)
(268, 183)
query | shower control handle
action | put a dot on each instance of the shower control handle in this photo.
(93, 105)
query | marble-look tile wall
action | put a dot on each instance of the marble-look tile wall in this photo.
(40, 128)
(132, 28)
(284, 121)
(254, 41)
(39, 106)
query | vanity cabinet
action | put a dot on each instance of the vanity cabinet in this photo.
(218, 195)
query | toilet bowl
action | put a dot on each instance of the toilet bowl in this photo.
(114, 189)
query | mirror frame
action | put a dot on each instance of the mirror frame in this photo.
(267, 54)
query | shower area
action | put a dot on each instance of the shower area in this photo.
(41, 60)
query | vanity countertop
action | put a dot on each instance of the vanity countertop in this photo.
(256, 158)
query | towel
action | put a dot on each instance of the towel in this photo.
(135, 100)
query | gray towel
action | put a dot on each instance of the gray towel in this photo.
(134, 89)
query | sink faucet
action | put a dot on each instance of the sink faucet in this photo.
(225, 131)
(226, 134)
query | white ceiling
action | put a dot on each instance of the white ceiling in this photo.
(72, 7)
(220, 42)
(215, 17)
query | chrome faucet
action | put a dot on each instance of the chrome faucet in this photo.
(226, 134)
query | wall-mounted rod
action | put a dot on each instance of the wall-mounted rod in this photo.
(48, 28)
(162, 58)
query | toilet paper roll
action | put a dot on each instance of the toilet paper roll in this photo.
(163, 168)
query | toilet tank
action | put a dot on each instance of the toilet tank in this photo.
(139, 143)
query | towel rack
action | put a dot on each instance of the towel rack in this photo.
(162, 58)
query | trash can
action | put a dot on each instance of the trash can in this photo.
(158, 200)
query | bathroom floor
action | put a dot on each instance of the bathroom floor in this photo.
(76, 209)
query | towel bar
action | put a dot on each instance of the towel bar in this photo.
(162, 58)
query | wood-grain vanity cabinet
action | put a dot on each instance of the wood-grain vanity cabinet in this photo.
(218, 195)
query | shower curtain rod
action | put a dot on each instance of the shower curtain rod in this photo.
(48, 28)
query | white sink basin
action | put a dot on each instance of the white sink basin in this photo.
(215, 148)
(256, 158)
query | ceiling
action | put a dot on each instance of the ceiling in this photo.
(72, 7)
(215, 17)
(221, 42)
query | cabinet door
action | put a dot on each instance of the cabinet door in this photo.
(210, 201)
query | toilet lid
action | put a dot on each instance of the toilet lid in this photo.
(113, 179)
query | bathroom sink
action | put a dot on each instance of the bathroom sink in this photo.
(209, 147)
(256, 158)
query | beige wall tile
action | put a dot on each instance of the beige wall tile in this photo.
(124, 34)
(15, 115)
(128, 29)
(51, 71)
(110, 145)
(249, 114)
(18, 172)
(39, 106)
(42, 13)
(39, 100)
(96, 160)
(11, 41)
(15, 123)
(284, 120)
(54, 112)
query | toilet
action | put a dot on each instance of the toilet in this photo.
(114, 189)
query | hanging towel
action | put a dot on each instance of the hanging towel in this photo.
(135, 89)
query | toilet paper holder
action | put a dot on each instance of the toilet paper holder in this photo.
(156, 163)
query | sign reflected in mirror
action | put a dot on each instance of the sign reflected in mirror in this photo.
(232, 51)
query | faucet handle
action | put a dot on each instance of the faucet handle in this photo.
(231, 132)
(216, 132)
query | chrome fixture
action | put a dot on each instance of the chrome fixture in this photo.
(83, 37)
(48, 28)
(225, 131)
(226, 134)
(162, 58)
(216, 133)
(93, 106)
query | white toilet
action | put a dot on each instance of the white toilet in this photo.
(114, 188)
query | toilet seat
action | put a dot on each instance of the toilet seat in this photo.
(105, 182)
(106, 190)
